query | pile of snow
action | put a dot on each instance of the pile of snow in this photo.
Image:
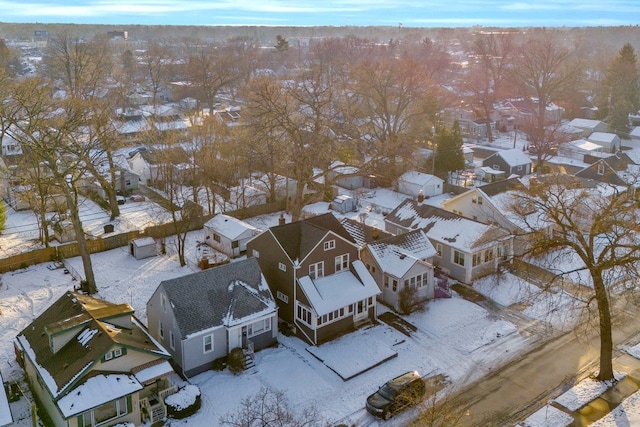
(548, 416)
(184, 398)
(585, 391)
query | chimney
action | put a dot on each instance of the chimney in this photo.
(375, 234)
(420, 196)
(281, 220)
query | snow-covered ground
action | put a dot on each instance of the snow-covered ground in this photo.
(456, 338)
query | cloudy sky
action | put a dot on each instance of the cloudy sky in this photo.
(411, 13)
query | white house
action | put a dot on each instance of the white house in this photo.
(228, 235)
(610, 142)
(412, 183)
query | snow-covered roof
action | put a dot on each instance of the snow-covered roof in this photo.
(585, 123)
(514, 157)
(330, 293)
(415, 177)
(445, 227)
(585, 145)
(153, 372)
(602, 137)
(143, 241)
(635, 132)
(97, 391)
(229, 226)
(221, 296)
(396, 255)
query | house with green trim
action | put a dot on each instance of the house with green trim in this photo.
(90, 362)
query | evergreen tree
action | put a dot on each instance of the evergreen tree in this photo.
(448, 154)
(282, 44)
(623, 95)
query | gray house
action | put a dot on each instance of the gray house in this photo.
(202, 316)
(511, 162)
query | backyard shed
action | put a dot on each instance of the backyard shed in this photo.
(143, 247)
(344, 204)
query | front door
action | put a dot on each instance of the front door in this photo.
(361, 311)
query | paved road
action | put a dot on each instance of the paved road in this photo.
(523, 386)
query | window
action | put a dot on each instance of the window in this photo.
(496, 167)
(458, 258)
(371, 268)
(282, 297)
(160, 329)
(394, 285)
(108, 356)
(259, 327)
(255, 253)
(216, 237)
(519, 167)
(113, 354)
(235, 244)
(342, 262)
(172, 340)
(282, 267)
(316, 270)
(386, 281)
(106, 412)
(600, 169)
(330, 317)
(476, 260)
(304, 315)
(488, 255)
(479, 200)
(163, 303)
(439, 250)
(117, 352)
(329, 245)
(207, 344)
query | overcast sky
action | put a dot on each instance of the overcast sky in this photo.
(408, 13)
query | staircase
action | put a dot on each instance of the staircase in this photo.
(249, 356)
(157, 413)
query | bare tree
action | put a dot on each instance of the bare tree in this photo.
(543, 70)
(156, 61)
(269, 408)
(487, 75)
(593, 228)
(49, 130)
(392, 97)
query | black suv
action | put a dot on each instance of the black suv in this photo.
(396, 395)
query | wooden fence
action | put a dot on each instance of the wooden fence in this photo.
(69, 250)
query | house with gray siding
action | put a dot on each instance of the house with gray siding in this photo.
(201, 317)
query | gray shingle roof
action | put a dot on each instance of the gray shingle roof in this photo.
(218, 296)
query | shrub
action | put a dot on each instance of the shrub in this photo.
(408, 300)
(236, 360)
(219, 364)
(184, 403)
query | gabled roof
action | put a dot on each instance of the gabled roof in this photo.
(513, 157)
(363, 233)
(609, 175)
(493, 188)
(220, 296)
(90, 320)
(298, 238)
(585, 123)
(330, 293)
(419, 178)
(397, 254)
(446, 227)
(229, 226)
(605, 137)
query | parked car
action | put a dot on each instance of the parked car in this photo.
(396, 395)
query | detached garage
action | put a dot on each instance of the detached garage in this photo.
(143, 247)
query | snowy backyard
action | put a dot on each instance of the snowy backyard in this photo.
(454, 337)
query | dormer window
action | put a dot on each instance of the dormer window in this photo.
(113, 354)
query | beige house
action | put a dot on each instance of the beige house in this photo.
(91, 362)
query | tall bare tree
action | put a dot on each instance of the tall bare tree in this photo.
(49, 130)
(393, 95)
(592, 230)
(543, 70)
